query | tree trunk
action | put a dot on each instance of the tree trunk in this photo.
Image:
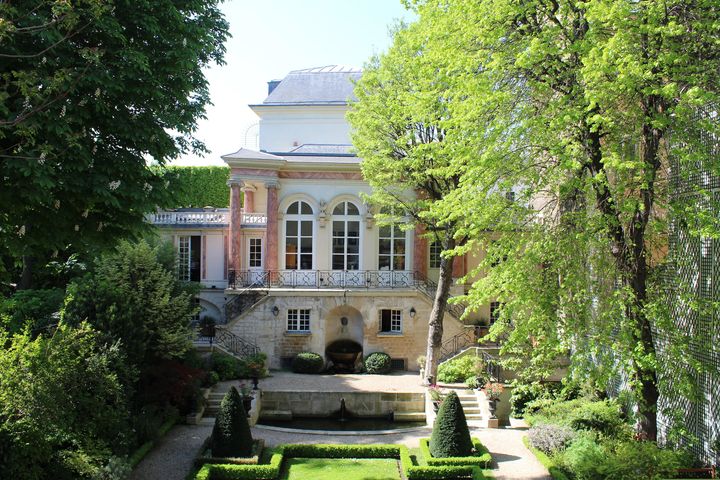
(435, 328)
(26, 278)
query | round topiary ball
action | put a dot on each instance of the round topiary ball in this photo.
(308, 362)
(378, 363)
(450, 435)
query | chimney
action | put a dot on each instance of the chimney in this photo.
(272, 84)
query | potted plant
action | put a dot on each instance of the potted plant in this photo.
(493, 392)
(435, 397)
(247, 397)
(256, 369)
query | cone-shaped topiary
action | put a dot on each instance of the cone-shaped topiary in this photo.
(450, 435)
(231, 435)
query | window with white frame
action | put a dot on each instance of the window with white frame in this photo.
(391, 248)
(435, 251)
(299, 221)
(255, 253)
(390, 320)
(188, 251)
(298, 320)
(346, 237)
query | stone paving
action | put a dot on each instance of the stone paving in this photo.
(172, 457)
(281, 381)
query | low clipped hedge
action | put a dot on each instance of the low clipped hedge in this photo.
(546, 461)
(272, 470)
(377, 363)
(308, 362)
(481, 458)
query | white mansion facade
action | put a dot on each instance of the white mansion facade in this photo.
(298, 261)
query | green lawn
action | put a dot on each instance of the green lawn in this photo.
(340, 468)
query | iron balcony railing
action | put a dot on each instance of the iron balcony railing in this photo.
(352, 279)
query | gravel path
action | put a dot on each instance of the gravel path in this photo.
(511, 458)
(172, 458)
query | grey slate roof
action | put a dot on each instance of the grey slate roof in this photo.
(321, 148)
(328, 85)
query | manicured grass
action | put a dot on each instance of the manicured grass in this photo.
(340, 468)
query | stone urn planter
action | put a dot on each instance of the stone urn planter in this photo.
(492, 406)
(343, 354)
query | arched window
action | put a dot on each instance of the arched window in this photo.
(346, 237)
(299, 221)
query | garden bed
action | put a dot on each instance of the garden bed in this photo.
(274, 468)
(481, 458)
(206, 455)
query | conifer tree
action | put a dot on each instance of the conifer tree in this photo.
(231, 435)
(450, 435)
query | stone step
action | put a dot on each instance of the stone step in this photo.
(409, 416)
(469, 411)
(473, 416)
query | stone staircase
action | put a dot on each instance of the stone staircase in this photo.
(471, 407)
(213, 403)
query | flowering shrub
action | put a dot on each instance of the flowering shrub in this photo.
(550, 438)
(494, 390)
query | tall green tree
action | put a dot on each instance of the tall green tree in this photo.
(400, 123)
(591, 100)
(90, 92)
(133, 298)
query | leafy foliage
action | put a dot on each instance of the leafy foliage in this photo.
(450, 435)
(587, 459)
(399, 126)
(570, 105)
(228, 367)
(31, 309)
(231, 435)
(90, 90)
(378, 363)
(200, 186)
(460, 369)
(603, 417)
(133, 298)
(308, 362)
(62, 406)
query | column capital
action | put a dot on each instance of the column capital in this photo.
(235, 181)
(272, 184)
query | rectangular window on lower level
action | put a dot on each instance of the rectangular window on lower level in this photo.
(494, 312)
(298, 320)
(390, 321)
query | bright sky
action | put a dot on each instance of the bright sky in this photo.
(271, 38)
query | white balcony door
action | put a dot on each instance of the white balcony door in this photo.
(255, 259)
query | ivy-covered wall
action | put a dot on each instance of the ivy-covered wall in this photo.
(200, 186)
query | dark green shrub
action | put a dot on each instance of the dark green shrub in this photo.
(227, 367)
(603, 417)
(30, 308)
(459, 369)
(211, 379)
(231, 435)
(450, 435)
(524, 394)
(377, 363)
(308, 362)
